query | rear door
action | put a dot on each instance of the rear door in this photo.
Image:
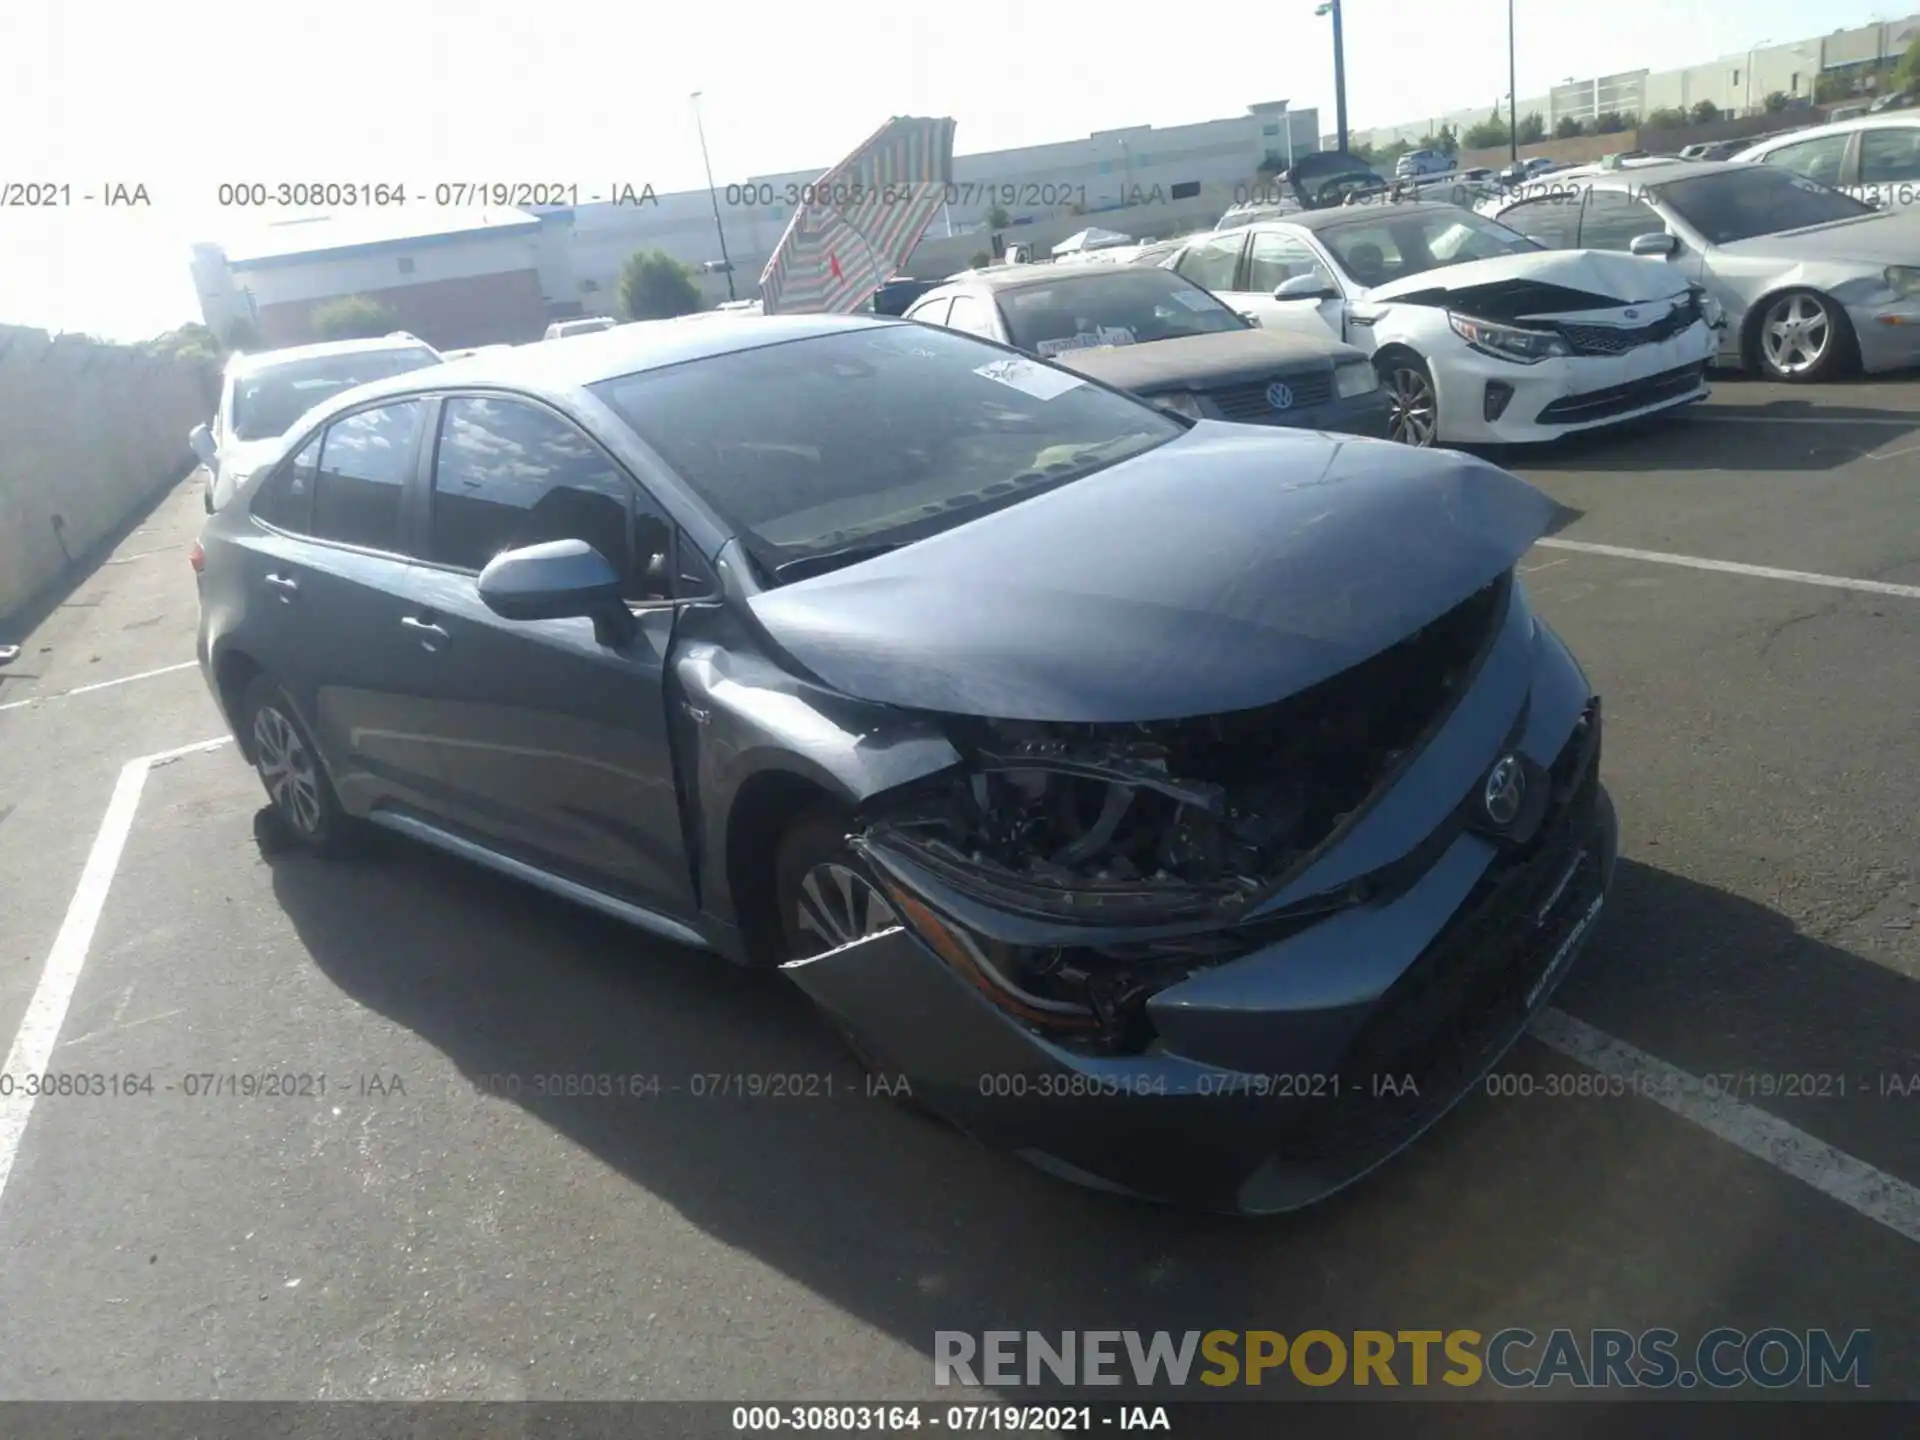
(546, 744)
(336, 595)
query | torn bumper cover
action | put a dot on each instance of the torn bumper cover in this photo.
(1277, 1008)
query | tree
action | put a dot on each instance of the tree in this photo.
(192, 341)
(1363, 152)
(998, 219)
(1776, 102)
(242, 334)
(1393, 152)
(1533, 129)
(980, 261)
(1667, 117)
(1832, 89)
(351, 317)
(1488, 133)
(1611, 123)
(1705, 112)
(1566, 128)
(1447, 143)
(655, 286)
(1907, 73)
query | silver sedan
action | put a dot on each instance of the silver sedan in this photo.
(1813, 282)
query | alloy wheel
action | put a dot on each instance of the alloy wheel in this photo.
(1796, 334)
(287, 768)
(1412, 413)
(837, 905)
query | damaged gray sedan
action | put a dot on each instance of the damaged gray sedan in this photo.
(1196, 810)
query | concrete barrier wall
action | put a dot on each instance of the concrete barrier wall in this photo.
(89, 433)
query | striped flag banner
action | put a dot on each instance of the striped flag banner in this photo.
(863, 220)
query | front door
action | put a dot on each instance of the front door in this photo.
(1313, 305)
(547, 742)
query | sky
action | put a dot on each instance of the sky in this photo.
(181, 99)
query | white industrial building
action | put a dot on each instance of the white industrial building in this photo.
(461, 283)
(1737, 84)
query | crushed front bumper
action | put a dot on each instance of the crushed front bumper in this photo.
(1283, 1075)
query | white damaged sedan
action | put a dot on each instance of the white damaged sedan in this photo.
(1481, 335)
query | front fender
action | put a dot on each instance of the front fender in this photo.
(747, 717)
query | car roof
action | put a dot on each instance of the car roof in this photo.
(1890, 120)
(1635, 177)
(573, 363)
(1023, 277)
(247, 363)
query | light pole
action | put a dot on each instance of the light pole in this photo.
(1332, 7)
(713, 195)
(1513, 93)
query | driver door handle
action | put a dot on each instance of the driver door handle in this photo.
(432, 636)
(285, 584)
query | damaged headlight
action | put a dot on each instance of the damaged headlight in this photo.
(1356, 377)
(1904, 281)
(1509, 342)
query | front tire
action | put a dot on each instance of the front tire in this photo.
(289, 766)
(1802, 337)
(1413, 415)
(828, 898)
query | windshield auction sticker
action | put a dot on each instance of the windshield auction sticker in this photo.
(1028, 378)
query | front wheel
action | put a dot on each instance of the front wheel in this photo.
(1413, 415)
(1802, 337)
(828, 899)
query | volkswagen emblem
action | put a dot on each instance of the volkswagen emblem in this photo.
(1279, 396)
(1631, 314)
(1505, 791)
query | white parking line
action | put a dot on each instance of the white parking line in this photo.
(40, 1026)
(1909, 423)
(98, 685)
(1730, 567)
(1854, 1183)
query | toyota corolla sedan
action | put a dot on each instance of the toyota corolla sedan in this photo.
(1812, 283)
(1480, 334)
(1195, 810)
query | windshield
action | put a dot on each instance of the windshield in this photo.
(1743, 201)
(1121, 306)
(874, 437)
(1391, 247)
(267, 402)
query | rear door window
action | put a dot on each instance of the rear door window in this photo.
(285, 501)
(1821, 159)
(1213, 264)
(365, 460)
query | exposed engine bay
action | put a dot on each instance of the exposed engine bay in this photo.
(1174, 820)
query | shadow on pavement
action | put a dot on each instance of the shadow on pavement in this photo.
(1536, 1213)
(1694, 440)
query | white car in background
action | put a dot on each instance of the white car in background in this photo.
(1875, 158)
(560, 329)
(263, 395)
(1479, 334)
(1812, 282)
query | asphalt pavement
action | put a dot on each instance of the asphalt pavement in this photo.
(414, 1221)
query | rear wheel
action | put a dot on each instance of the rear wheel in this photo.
(288, 763)
(1413, 416)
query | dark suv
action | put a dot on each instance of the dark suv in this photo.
(1035, 732)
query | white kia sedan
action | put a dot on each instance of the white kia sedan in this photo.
(1480, 335)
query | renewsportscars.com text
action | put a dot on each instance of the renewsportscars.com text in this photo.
(1721, 1359)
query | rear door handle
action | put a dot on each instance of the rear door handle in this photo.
(285, 584)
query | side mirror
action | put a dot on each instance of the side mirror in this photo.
(200, 439)
(1305, 287)
(558, 580)
(1661, 244)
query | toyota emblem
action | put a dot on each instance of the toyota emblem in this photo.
(1279, 396)
(1505, 791)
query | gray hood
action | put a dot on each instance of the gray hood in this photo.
(1892, 239)
(1203, 361)
(1224, 570)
